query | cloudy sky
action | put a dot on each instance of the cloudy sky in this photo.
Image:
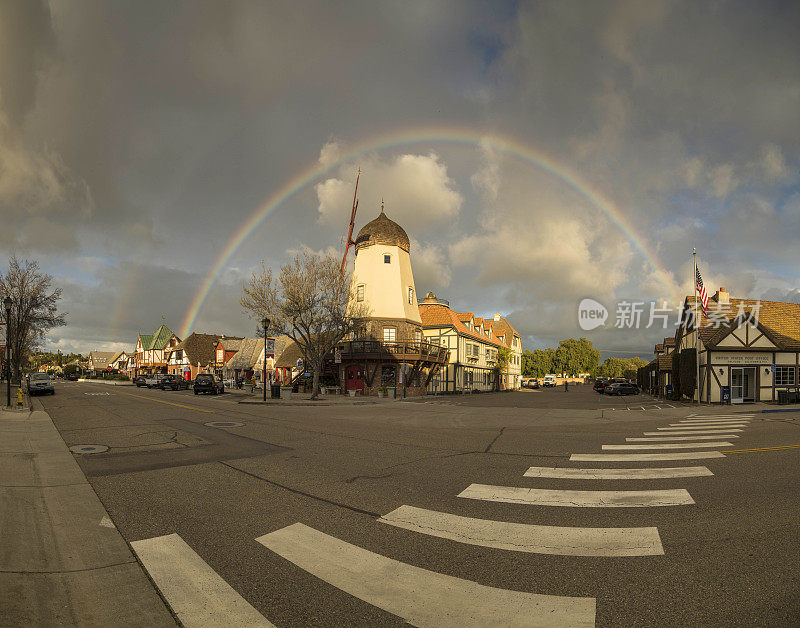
(537, 153)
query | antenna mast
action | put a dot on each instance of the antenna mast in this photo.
(350, 241)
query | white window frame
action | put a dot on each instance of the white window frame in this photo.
(410, 295)
(785, 376)
(390, 334)
(361, 292)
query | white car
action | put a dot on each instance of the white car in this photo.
(549, 381)
(154, 381)
(40, 383)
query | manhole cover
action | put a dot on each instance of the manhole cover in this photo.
(88, 449)
(224, 424)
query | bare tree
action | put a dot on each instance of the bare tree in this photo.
(34, 311)
(309, 302)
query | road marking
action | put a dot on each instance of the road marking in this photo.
(661, 437)
(742, 417)
(169, 403)
(692, 455)
(680, 432)
(419, 596)
(720, 416)
(523, 537)
(742, 451)
(720, 421)
(194, 591)
(583, 499)
(700, 426)
(668, 446)
(616, 474)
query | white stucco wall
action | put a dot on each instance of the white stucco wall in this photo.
(386, 285)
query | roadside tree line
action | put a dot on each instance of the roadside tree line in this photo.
(574, 357)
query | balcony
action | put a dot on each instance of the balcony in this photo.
(409, 351)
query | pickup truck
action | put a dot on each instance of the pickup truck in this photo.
(154, 381)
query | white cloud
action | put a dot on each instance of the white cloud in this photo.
(416, 189)
(430, 265)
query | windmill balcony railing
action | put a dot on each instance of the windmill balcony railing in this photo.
(401, 350)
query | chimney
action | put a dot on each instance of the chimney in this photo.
(497, 317)
(723, 296)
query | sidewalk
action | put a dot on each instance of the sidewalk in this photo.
(62, 561)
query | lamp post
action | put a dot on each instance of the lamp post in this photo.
(265, 325)
(7, 302)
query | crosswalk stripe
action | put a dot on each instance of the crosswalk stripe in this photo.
(697, 426)
(582, 499)
(523, 537)
(419, 596)
(692, 455)
(721, 419)
(661, 437)
(668, 446)
(717, 421)
(721, 416)
(681, 432)
(616, 474)
(194, 591)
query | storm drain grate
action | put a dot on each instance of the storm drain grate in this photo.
(88, 449)
(223, 424)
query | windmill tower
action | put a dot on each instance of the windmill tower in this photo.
(383, 281)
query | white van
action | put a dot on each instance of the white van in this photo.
(549, 381)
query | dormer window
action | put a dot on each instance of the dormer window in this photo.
(387, 259)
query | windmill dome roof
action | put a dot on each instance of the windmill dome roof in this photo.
(382, 230)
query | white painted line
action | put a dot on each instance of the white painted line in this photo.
(668, 446)
(698, 425)
(194, 591)
(582, 499)
(702, 427)
(672, 437)
(523, 537)
(721, 416)
(680, 432)
(692, 455)
(616, 474)
(715, 421)
(419, 596)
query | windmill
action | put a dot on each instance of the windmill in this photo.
(350, 242)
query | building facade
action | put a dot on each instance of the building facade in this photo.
(150, 355)
(474, 344)
(388, 351)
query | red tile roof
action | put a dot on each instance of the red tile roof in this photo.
(438, 314)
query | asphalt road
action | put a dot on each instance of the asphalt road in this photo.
(729, 558)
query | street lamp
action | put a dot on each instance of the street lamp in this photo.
(7, 302)
(264, 326)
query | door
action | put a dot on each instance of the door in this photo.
(354, 378)
(749, 384)
(737, 385)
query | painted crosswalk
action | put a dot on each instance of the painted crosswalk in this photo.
(668, 445)
(717, 420)
(581, 499)
(693, 455)
(661, 437)
(709, 424)
(680, 432)
(523, 537)
(194, 591)
(674, 427)
(616, 474)
(419, 596)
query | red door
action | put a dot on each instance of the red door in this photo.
(354, 378)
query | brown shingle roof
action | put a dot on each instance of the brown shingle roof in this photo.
(289, 356)
(382, 230)
(198, 348)
(779, 321)
(438, 314)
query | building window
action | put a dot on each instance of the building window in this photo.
(360, 288)
(784, 376)
(410, 295)
(417, 335)
(389, 334)
(387, 259)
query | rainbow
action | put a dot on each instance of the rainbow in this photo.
(456, 135)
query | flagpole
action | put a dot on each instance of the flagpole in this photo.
(696, 326)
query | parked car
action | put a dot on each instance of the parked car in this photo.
(207, 383)
(600, 384)
(621, 388)
(154, 381)
(140, 381)
(549, 381)
(40, 383)
(173, 382)
(72, 377)
(534, 384)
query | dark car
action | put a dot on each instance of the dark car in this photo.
(139, 381)
(173, 382)
(206, 383)
(621, 388)
(601, 384)
(72, 377)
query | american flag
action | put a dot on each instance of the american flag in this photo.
(702, 290)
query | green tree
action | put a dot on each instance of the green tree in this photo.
(500, 367)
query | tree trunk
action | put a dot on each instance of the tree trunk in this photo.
(315, 386)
